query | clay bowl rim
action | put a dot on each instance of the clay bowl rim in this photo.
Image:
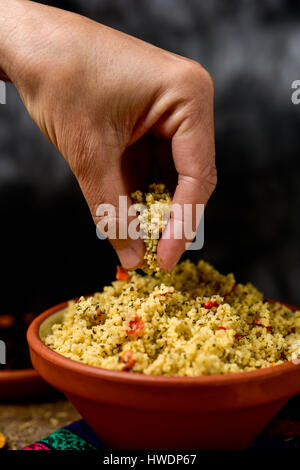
(6, 375)
(17, 374)
(38, 346)
(14, 382)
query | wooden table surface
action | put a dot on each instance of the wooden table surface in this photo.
(25, 423)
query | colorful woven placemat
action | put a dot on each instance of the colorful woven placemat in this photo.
(283, 432)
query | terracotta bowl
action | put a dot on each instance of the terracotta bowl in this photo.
(135, 411)
(23, 384)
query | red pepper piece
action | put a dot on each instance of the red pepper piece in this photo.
(237, 336)
(163, 294)
(136, 326)
(210, 304)
(128, 360)
(100, 314)
(269, 328)
(222, 328)
(122, 274)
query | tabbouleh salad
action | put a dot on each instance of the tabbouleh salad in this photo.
(154, 208)
(193, 321)
(190, 322)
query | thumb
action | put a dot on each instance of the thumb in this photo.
(194, 158)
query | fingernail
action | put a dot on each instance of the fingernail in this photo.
(129, 258)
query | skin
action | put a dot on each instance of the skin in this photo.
(111, 104)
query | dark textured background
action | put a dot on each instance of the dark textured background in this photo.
(49, 249)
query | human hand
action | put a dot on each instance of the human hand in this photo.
(110, 103)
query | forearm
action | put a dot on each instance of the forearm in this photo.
(25, 27)
(11, 13)
(33, 34)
